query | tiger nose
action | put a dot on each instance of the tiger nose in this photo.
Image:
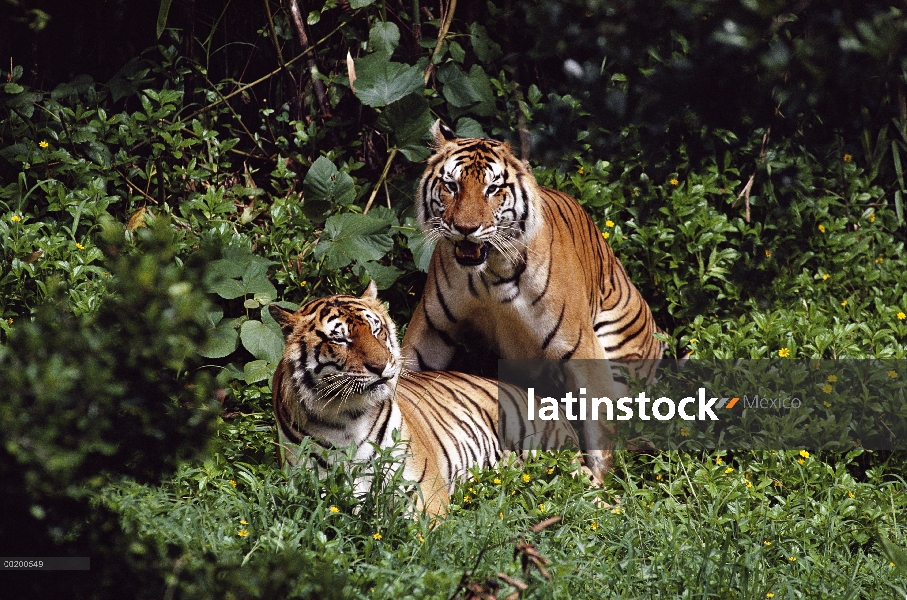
(375, 366)
(465, 229)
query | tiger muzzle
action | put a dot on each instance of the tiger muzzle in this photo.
(470, 253)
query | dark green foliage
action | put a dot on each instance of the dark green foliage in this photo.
(118, 394)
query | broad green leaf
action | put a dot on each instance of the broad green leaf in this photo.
(486, 49)
(326, 187)
(361, 3)
(420, 246)
(353, 237)
(482, 86)
(222, 340)
(13, 88)
(380, 81)
(408, 119)
(383, 276)
(469, 128)
(383, 37)
(257, 370)
(458, 88)
(415, 152)
(261, 341)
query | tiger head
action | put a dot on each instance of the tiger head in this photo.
(341, 355)
(476, 195)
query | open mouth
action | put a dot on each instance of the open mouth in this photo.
(375, 384)
(470, 253)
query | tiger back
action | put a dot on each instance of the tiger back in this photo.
(524, 266)
(341, 382)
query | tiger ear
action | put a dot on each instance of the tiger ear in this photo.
(371, 292)
(442, 133)
(285, 318)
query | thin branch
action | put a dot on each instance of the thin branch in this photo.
(242, 89)
(442, 33)
(299, 22)
(387, 168)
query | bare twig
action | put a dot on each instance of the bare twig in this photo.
(265, 77)
(299, 22)
(387, 168)
(446, 20)
(748, 188)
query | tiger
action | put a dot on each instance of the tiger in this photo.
(525, 267)
(341, 382)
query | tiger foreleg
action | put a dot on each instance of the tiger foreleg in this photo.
(426, 345)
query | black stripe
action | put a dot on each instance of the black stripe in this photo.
(443, 304)
(557, 326)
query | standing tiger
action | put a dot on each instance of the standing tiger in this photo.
(524, 266)
(340, 383)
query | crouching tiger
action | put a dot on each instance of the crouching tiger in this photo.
(526, 268)
(341, 381)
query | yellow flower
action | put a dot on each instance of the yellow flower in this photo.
(593, 525)
(243, 522)
(826, 388)
(674, 181)
(43, 144)
(302, 283)
(501, 515)
(893, 374)
(581, 170)
(376, 536)
(9, 321)
(465, 499)
(421, 538)
(526, 477)
(767, 543)
(550, 471)
(784, 352)
(777, 483)
(768, 254)
(891, 563)
(843, 302)
(729, 470)
(847, 158)
(832, 378)
(826, 403)
(80, 246)
(609, 223)
(615, 510)
(15, 218)
(334, 509)
(901, 316)
(685, 431)
(233, 482)
(242, 532)
(719, 460)
(800, 461)
(749, 484)
(872, 218)
(769, 595)
(792, 558)
(825, 276)
(879, 260)
(541, 507)
(849, 494)
(496, 481)
(821, 228)
(605, 234)
(658, 477)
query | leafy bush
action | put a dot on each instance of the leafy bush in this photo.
(745, 160)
